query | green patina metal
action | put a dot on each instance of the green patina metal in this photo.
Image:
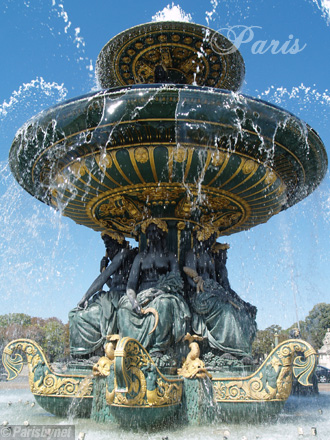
(182, 154)
(82, 408)
(101, 411)
(199, 406)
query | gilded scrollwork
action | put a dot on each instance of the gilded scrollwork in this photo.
(273, 380)
(42, 379)
(164, 393)
(120, 213)
(124, 208)
(138, 382)
(123, 225)
(121, 206)
(205, 232)
(185, 207)
(156, 221)
(216, 210)
(159, 193)
(221, 220)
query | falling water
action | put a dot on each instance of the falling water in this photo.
(324, 6)
(38, 250)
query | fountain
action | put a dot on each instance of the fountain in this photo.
(170, 154)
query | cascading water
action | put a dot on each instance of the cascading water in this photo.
(243, 264)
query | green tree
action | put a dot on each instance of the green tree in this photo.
(13, 326)
(316, 324)
(264, 341)
(67, 341)
(15, 318)
(51, 334)
(54, 340)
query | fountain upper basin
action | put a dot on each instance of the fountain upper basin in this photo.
(185, 154)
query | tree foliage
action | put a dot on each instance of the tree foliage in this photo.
(265, 340)
(312, 329)
(51, 334)
(15, 318)
(316, 324)
(54, 338)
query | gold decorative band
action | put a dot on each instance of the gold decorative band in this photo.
(309, 352)
(120, 353)
(8, 351)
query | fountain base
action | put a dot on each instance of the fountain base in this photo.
(129, 386)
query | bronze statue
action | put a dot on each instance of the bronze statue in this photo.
(154, 280)
(95, 316)
(218, 315)
(219, 252)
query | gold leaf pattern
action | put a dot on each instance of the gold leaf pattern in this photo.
(42, 379)
(273, 379)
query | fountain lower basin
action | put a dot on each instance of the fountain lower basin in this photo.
(129, 386)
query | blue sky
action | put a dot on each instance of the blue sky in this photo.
(48, 53)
